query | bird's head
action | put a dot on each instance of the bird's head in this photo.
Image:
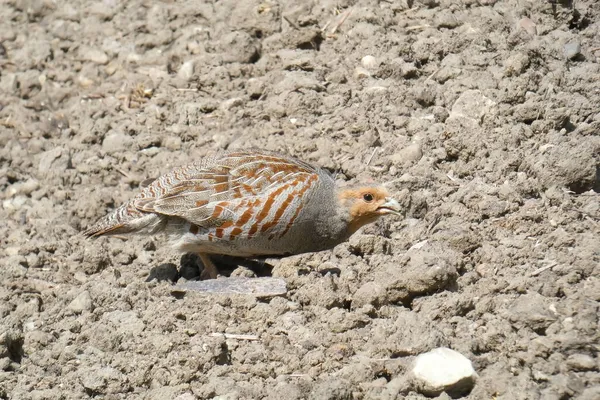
(366, 204)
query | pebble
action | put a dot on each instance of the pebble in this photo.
(472, 104)
(172, 143)
(581, 362)
(83, 302)
(115, 141)
(369, 62)
(186, 71)
(14, 204)
(572, 50)
(239, 46)
(94, 55)
(516, 64)
(446, 19)
(413, 152)
(444, 370)
(528, 26)
(24, 188)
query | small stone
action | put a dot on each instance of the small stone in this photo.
(444, 370)
(581, 362)
(172, 143)
(370, 293)
(258, 287)
(572, 50)
(446, 19)
(116, 141)
(84, 81)
(516, 64)
(94, 55)
(369, 62)
(240, 47)
(186, 71)
(410, 153)
(527, 25)
(83, 302)
(472, 104)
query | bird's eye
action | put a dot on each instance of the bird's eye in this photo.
(368, 197)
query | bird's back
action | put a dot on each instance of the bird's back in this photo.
(235, 203)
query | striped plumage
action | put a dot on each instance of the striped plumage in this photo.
(248, 204)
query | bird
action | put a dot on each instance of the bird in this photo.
(249, 204)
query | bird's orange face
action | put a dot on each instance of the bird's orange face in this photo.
(366, 204)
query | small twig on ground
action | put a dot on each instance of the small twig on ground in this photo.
(235, 336)
(371, 158)
(542, 269)
(292, 24)
(342, 20)
(416, 27)
(122, 172)
(407, 11)
(432, 75)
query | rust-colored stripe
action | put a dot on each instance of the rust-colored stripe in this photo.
(218, 210)
(235, 232)
(201, 203)
(269, 203)
(245, 217)
(281, 210)
(299, 193)
(221, 187)
(219, 232)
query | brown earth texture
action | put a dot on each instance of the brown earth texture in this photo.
(482, 117)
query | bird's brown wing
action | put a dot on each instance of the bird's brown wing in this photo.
(237, 189)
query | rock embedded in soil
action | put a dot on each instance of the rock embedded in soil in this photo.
(443, 370)
(259, 287)
(472, 104)
(83, 302)
(582, 362)
(94, 55)
(572, 50)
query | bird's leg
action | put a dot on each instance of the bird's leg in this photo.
(209, 271)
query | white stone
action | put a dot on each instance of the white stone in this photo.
(186, 71)
(369, 62)
(472, 104)
(443, 370)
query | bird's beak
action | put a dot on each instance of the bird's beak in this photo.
(390, 206)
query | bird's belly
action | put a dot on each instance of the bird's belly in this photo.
(264, 244)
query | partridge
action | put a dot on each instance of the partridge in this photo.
(249, 204)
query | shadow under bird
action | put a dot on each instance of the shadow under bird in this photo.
(249, 204)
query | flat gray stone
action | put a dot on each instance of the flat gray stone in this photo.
(259, 287)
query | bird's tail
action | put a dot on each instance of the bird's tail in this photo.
(127, 219)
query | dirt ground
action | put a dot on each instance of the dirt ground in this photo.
(481, 116)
